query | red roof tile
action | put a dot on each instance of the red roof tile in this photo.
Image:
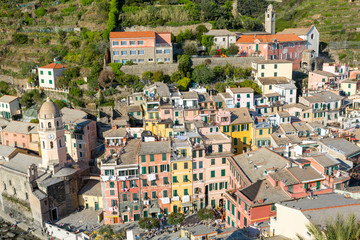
(145, 34)
(269, 38)
(54, 65)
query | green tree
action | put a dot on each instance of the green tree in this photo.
(40, 12)
(190, 48)
(184, 64)
(200, 30)
(205, 214)
(59, 103)
(252, 8)
(158, 76)
(19, 38)
(86, 2)
(147, 76)
(176, 218)
(207, 41)
(107, 232)
(202, 74)
(344, 229)
(232, 49)
(116, 69)
(183, 83)
(220, 87)
(176, 76)
(149, 223)
(30, 98)
(251, 84)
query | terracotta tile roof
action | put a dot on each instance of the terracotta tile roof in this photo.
(269, 38)
(145, 34)
(54, 66)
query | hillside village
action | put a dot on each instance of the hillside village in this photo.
(208, 134)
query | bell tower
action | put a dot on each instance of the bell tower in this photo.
(52, 140)
(270, 20)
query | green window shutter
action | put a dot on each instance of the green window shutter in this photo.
(210, 187)
(200, 153)
(143, 170)
(235, 141)
(212, 174)
(112, 184)
(143, 158)
(233, 128)
(261, 132)
(225, 185)
(223, 160)
(112, 172)
(211, 129)
(194, 154)
(176, 114)
(152, 158)
(168, 167)
(244, 140)
(216, 186)
(149, 170)
(222, 172)
(221, 186)
(164, 156)
(200, 176)
(174, 179)
(186, 192)
(245, 207)
(156, 169)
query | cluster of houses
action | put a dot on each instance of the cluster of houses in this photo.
(287, 154)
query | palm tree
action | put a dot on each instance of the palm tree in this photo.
(340, 229)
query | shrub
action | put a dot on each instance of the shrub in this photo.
(176, 218)
(86, 2)
(149, 223)
(45, 41)
(19, 38)
(232, 50)
(190, 48)
(129, 63)
(40, 12)
(183, 83)
(60, 104)
(205, 214)
(184, 64)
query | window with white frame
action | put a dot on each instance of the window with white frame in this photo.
(141, 42)
(116, 53)
(123, 43)
(123, 53)
(166, 59)
(132, 52)
(166, 51)
(115, 43)
(159, 60)
(132, 43)
(141, 52)
(140, 60)
(158, 51)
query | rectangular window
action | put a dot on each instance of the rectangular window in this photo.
(132, 52)
(50, 81)
(195, 177)
(165, 193)
(143, 158)
(123, 53)
(112, 192)
(201, 164)
(186, 192)
(275, 74)
(112, 184)
(212, 174)
(223, 172)
(185, 178)
(166, 51)
(260, 132)
(143, 170)
(201, 176)
(164, 156)
(175, 166)
(175, 179)
(223, 160)
(158, 51)
(140, 52)
(186, 165)
(165, 180)
(124, 197)
(153, 194)
(194, 165)
(141, 42)
(144, 182)
(42, 81)
(200, 153)
(123, 43)
(213, 161)
(132, 42)
(152, 158)
(49, 72)
(262, 66)
(275, 66)
(175, 193)
(41, 72)
(220, 148)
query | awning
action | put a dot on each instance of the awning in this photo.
(154, 210)
(187, 204)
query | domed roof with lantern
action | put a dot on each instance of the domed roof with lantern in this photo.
(49, 110)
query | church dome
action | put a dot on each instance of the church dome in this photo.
(49, 110)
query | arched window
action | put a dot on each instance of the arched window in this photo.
(43, 144)
(42, 125)
(57, 123)
(60, 143)
(49, 124)
(51, 144)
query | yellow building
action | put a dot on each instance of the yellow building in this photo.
(162, 128)
(90, 196)
(261, 135)
(350, 86)
(181, 174)
(239, 129)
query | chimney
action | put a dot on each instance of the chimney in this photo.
(114, 127)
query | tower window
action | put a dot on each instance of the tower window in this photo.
(60, 142)
(43, 144)
(42, 125)
(51, 144)
(57, 123)
(49, 124)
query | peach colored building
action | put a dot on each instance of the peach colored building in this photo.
(141, 47)
(21, 135)
(322, 80)
(355, 74)
(276, 46)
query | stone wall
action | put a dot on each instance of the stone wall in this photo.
(169, 68)
(16, 81)
(173, 30)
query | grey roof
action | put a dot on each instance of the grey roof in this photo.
(204, 97)
(321, 201)
(324, 73)
(240, 115)
(64, 172)
(262, 125)
(115, 133)
(49, 181)
(193, 134)
(341, 145)
(225, 95)
(189, 95)
(301, 126)
(285, 176)
(21, 162)
(92, 188)
(7, 98)
(305, 174)
(323, 216)
(71, 115)
(313, 99)
(284, 114)
(242, 90)
(263, 190)
(134, 108)
(264, 160)
(200, 230)
(5, 151)
(297, 105)
(287, 127)
(21, 127)
(130, 154)
(325, 160)
(161, 89)
(287, 86)
(39, 194)
(154, 147)
(327, 96)
(220, 32)
(273, 80)
(217, 98)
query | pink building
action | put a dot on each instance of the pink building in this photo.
(21, 135)
(115, 139)
(141, 47)
(216, 175)
(277, 46)
(243, 97)
(322, 80)
(355, 74)
(341, 70)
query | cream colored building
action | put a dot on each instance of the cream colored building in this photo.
(350, 86)
(90, 196)
(267, 83)
(272, 68)
(293, 217)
